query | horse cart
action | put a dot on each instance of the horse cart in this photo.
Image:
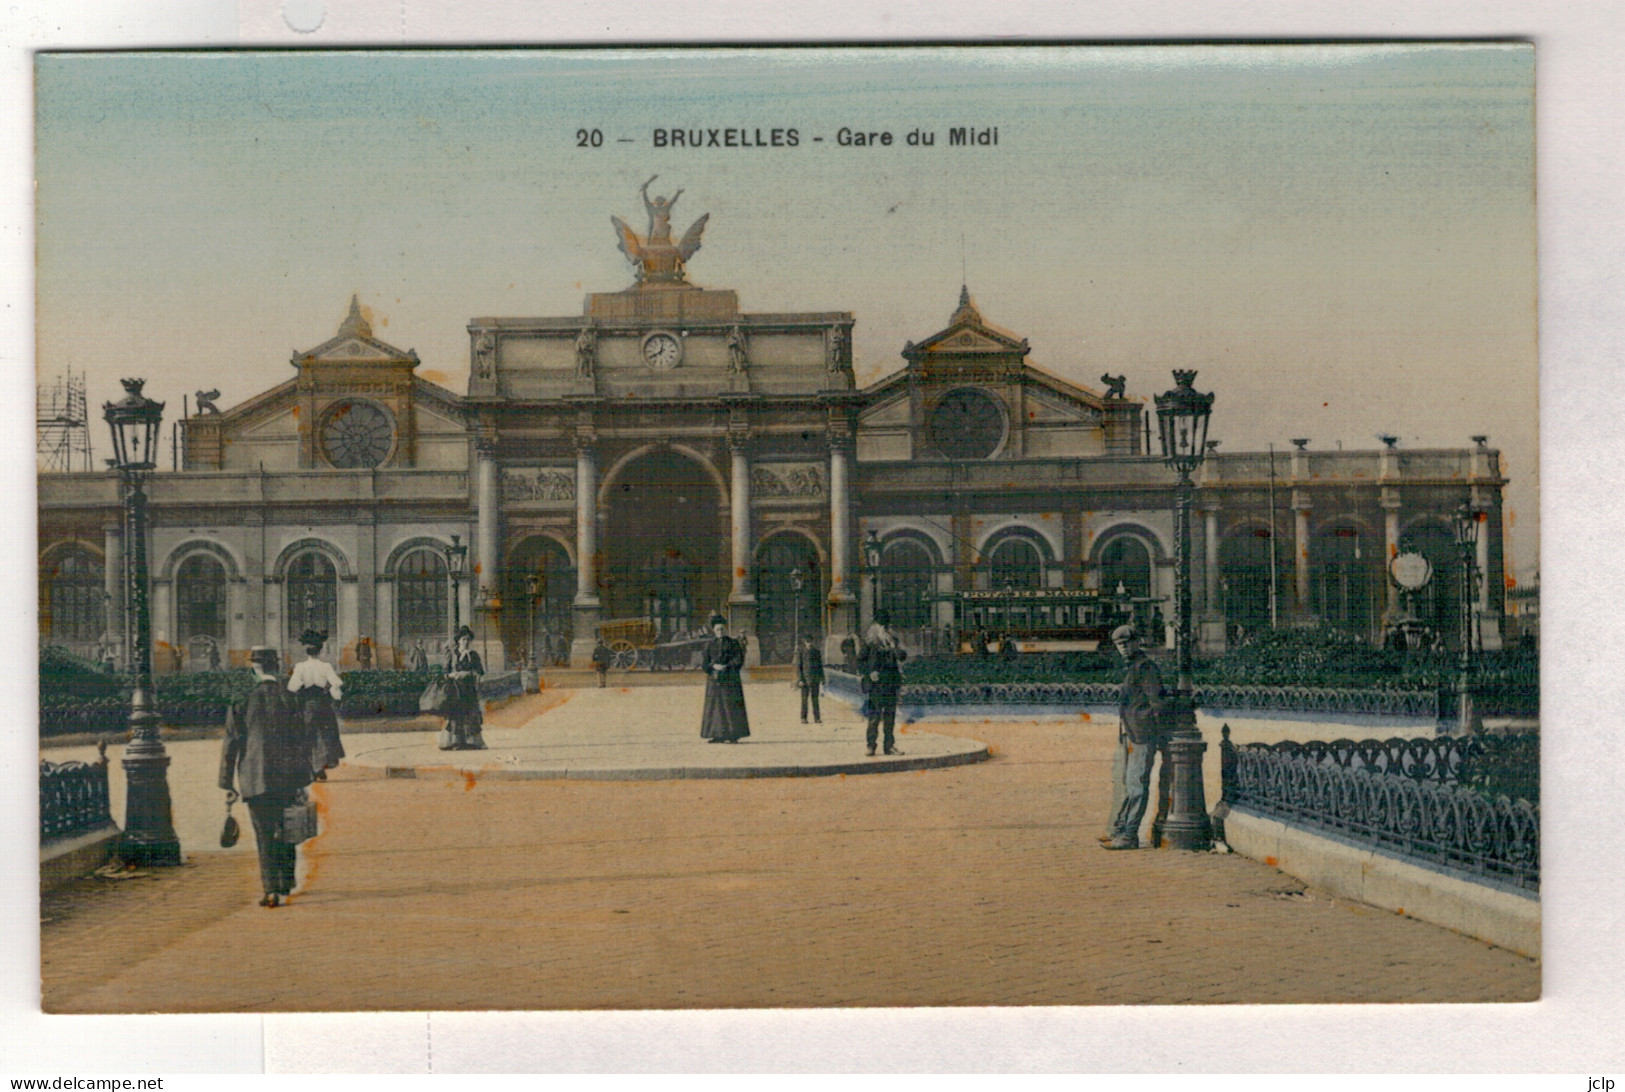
(636, 643)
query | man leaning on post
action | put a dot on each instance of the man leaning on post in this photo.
(1142, 728)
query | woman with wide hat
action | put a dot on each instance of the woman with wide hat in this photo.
(724, 720)
(319, 690)
(464, 720)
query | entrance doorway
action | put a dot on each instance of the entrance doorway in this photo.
(664, 536)
(781, 611)
(538, 590)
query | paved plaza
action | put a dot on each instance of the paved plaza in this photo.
(516, 884)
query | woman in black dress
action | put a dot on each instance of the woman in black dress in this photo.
(724, 720)
(464, 720)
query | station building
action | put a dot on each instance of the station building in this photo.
(665, 454)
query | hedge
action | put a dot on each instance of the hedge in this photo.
(76, 696)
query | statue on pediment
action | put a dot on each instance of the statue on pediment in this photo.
(656, 259)
(586, 350)
(738, 356)
(485, 351)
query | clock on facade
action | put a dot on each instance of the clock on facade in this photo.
(967, 424)
(357, 435)
(662, 349)
(1410, 571)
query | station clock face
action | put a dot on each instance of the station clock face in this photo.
(967, 424)
(357, 435)
(662, 349)
(1410, 571)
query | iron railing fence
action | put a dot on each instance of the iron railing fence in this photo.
(1405, 796)
(73, 797)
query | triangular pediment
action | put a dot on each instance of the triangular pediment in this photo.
(893, 411)
(969, 335)
(350, 350)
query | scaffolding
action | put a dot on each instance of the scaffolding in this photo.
(62, 425)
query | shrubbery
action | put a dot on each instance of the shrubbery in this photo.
(76, 696)
(1508, 680)
(1506, 765)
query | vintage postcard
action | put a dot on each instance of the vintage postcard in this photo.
(787, 528)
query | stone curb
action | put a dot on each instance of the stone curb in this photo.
(1502, 918)
(874, 765)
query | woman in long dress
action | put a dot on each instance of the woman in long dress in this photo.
(724, 720)
(464, 720)
(319, 690)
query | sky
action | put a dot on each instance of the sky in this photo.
(1341, 239)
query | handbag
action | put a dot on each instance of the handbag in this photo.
(298, 822)
(232, 830)
(436, 697)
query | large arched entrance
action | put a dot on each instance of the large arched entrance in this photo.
(538, 589)
(664, 536)
(783, 613)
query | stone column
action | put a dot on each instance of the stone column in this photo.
(485, 500)
(843, 603)
(739, 486)
(587, 604)
(1300, 553)
(1390, 549)
(113, 586)
(1211, 635)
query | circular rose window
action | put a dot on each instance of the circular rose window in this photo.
(967, 424)
(357, 435)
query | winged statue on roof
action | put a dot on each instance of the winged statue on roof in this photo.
(655, 257)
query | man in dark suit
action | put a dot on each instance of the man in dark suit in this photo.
(810, 676)
(880, 666)
(1141, 732)
(266, 760)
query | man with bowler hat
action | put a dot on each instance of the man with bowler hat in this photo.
(810, 676)
(1141, 732)
(266, 761)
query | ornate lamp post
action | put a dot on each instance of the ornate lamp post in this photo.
(533, 587)
(1182, 418)
(149, 826)
(1467, 527)
(871, 560)
(796, 584)
(456, 560)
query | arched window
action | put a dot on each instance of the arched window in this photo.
(422, 597)
(1438, 604)
(200, 602)
(313, 595)
(539, 586)
(1016, 562)
(782, 614)
(1344, 578)
(1244, 580)
(906, 576)
(73, 607)
(1126, 563)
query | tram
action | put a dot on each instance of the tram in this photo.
(1045, 619)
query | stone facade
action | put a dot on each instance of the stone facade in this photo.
(665, 455)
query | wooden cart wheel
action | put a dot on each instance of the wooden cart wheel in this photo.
(626, 654)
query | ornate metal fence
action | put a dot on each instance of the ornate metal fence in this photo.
(1403, 795)
(503, 684)
(73, 797)
(1421, 704)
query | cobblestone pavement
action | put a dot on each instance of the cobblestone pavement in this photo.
(966, 886)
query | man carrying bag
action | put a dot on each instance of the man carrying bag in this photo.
(266, 760)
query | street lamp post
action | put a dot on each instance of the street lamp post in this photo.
(1467, 528)
(149, 825)
(533, 586)
(1182, 419)
(871, 558)
(456, 559)
(796, 584)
